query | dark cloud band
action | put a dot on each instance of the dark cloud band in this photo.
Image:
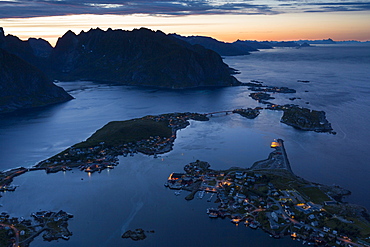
(38, 8)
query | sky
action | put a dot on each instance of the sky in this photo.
(226, 20)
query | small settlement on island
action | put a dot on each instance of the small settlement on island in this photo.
(20, 232)
(268, 195)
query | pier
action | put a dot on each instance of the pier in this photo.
(285, 156)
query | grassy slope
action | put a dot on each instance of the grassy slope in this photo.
(120, 132)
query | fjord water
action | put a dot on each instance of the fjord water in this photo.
(133, 196)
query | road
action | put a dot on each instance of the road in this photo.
(16, 232)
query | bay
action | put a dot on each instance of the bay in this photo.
(133, 196)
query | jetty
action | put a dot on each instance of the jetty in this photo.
(277, 160)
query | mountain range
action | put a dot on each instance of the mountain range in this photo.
(140, 57)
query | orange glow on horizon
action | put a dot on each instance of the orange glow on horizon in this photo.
(228, 28)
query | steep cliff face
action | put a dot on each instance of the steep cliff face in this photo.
(24, 86)
(138, 57)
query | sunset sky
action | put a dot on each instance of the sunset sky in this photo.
(222, 19)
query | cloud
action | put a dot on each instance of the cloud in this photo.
(325, 6)
(38, 8)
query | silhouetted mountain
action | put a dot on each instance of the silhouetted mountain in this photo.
(222, 48)
(280, 43)
(321, 41)
(138, 57)
(254, 44)
(34, 51)
(24, 86)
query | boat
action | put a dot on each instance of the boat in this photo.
(213, 215)
(235, 221)
(201, 194)
(253, 225)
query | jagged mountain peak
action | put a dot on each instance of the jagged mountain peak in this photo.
(138, 57)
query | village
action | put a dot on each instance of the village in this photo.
(94, 157)
(20, 232)
(269, 196)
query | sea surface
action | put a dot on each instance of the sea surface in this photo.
(132, 195)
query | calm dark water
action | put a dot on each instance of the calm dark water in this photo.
(132, 195)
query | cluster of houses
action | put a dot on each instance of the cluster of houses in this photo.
(23, 231)
(90, 159)
(249, 197)
(102, 156)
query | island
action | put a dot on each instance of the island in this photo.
(136, 235)
(21, 232)
(298, 117)
(248, 113)
(270, 196)
(306, 119)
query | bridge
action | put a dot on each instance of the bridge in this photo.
(218, 112)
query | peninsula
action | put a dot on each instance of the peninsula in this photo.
(270, 196)
(150, 135)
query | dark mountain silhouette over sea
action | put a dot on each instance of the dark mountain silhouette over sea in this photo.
(24, 86)
(222, 48)
(139, 57)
